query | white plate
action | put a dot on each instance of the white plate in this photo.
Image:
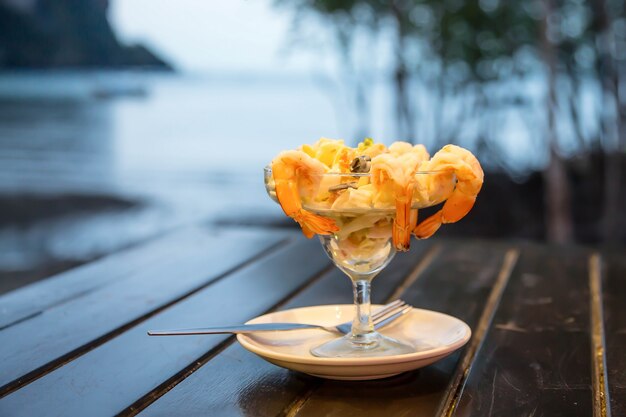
(435, 336)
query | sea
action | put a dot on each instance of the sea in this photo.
(177, 150)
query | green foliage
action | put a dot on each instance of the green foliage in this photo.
(478, 40)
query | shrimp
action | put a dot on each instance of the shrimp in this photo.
(419, 152)
(469, 176)
(394, 175)
(294, 171)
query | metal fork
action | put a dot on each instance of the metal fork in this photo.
(380, 318)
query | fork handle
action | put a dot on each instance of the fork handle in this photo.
(243, 328)
(393, 317)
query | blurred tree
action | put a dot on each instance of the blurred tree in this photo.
(609, 30)
(479, 43)
(347, 17)
(344, 25)
(462, 68)
(557, 191)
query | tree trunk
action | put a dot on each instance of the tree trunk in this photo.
(404, 114)
(557, 200)
(556, 183)
(612, 127)
(404, 123)
(357, 93)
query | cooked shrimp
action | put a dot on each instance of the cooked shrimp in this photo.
(469, 176)
(394, 175)
(294, 171)
(401, 149)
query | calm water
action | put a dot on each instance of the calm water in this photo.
(181, 127)
(183, 150)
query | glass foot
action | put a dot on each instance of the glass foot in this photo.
(369, 345)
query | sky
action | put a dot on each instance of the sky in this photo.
(200, 35)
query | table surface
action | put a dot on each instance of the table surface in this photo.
(549, 331)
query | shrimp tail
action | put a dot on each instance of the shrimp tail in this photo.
(428, 227)
(290, 169)
(306, 231)
(314, 224)
(403, 221)
(470, 178)
(457, 206)
(453, 210)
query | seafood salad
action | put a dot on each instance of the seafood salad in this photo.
(367, 194)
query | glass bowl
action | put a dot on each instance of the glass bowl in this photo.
(362, 247)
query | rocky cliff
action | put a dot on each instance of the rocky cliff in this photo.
(42, 34)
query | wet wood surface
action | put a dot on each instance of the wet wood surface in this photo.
(536, 355)
(614, 291)
(65, 330)
(548, 323)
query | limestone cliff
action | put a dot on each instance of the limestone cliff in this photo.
(44, 34)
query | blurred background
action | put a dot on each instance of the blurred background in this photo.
(124, 120)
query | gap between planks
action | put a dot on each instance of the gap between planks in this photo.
(157, 241)
(416, 272)
(295, 406)
(455, 389)
(145, 401)
(76, 353)
(601, 404)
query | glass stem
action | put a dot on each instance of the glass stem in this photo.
(362, 326)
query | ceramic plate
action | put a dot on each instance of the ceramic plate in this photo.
(434, 336)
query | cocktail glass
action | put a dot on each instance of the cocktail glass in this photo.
(363, 247)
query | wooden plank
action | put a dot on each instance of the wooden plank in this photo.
(108, 378)
(614, 292)
(269, 388)
(60, 333)
(536, 358)
(242, 383)
(458, 283)
(28, 301)
(599, 379)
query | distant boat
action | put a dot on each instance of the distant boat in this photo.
(112, 91)
(74, 85)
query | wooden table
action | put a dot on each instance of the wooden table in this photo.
(549, 331)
